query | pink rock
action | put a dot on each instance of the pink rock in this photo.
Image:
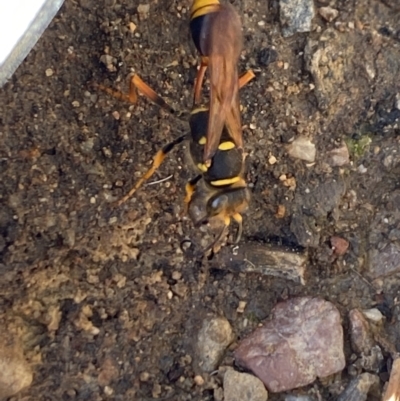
(302, 341)
(340, 245)
(339, 156)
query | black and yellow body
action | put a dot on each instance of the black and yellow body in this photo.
(201, 16)
(225, 191)
(217, 34)
(226, 164)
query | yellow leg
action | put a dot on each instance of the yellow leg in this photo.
(199, 80)
(137, 84)
(246, 78)
(227, 222)
(190, 187)
(238, 218)
(243, 80)
(158, 159)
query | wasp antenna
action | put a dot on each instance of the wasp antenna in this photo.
(216, 240)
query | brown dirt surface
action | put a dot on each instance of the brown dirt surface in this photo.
(106, 304)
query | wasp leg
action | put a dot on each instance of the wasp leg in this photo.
(245, 78)
(137, 84)
(227, 222)
(190, 187)
(239, 220)
(158, 159)
(199, 80)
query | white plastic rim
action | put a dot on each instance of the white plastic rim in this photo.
(22, 22)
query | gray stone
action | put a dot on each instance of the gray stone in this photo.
(15, 373)
(384, 238)
(339, 156)
(363, 343)
(358, 388)
(328, 13)
(214, 337)
(312, 203)
(296, 16)
(385, 261)
(302, 148)
(360, 332)
(243, 387)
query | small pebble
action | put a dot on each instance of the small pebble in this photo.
(328, 13)
(107, 152)
(144, 376)
(106, 59)
(143, 11)
(339, 245)
(156, 391)
(199, 380)
(296, 16)
(213, 338)
(360, 332)
(374, 315)
(280, 212)
(398, 101)
(15, 373)
(290, 182)
(49, 72)
(176, 275)
(108, 390)
(302, 148)
(241, 307)
(132, 27)
(362, 169)
(243, 387)
(339, 156)
(272, 160)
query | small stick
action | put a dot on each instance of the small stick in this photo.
(392, 392)
(251, 257)
(159, 181)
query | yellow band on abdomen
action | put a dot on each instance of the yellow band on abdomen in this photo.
(225, 181)
(202, 7)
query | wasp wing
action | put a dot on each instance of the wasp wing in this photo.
(225, 45)
(233, 123)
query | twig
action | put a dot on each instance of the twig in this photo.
(159, 181)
